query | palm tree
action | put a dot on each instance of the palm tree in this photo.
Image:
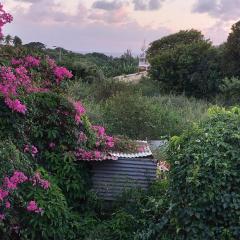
(17, 41)
(8, 39)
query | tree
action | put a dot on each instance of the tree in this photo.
(17, 41)
(186, 64)
(232, 52)
(8, 39)
(170, 42)
(36, 45)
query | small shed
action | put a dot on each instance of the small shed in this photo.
(123, 171)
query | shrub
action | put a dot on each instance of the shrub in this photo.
(49, 218)
(55, 222)
(204, 190)
(54, 131)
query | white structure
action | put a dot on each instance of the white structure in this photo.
(143, 64)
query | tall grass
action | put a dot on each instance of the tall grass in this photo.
(137, 110)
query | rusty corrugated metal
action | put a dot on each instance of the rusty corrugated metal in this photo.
(111, 178)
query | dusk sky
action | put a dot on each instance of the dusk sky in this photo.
(112, 26)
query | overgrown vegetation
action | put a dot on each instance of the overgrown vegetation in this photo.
(45, 133)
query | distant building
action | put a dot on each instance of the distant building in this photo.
(143, 64)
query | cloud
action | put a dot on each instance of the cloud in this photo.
(140, 5)
(220, 9)
(115, 12)
(202, 6)
(144, 5)
(106, 5)
(29, 1)
(49, 12)
(96, 36)
(119, 16)
(154, 4)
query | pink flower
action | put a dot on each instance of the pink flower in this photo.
(51, 62)
(80, 111)
(8, 205)
(16, 105)
(33, 207)
(77, 119)
(3, 194)
(4, 18)
(34, 150)
(61, 73)
(97, 154)
(17, 178)
(110, 142)
(141, 149)
(52, 145)
(31, 61)
(30, 149)
(36, 179)
(2, 217)
(100, 130)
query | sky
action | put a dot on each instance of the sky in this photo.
(112, 26)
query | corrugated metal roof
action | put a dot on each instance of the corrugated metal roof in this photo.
(144, 153)
(111, 178)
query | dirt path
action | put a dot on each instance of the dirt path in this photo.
(134, 78)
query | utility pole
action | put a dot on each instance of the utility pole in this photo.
(60, 53)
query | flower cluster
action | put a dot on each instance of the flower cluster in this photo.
(16, 179)
(28, 62)
(31, 149)
(103, 138)
(80, 111)
(11, 184)
(18, 79)
(37, 180)
(4, 18)
(33, 207)
(103, 144)
(61, 73)
(83, 154)
(16, 105)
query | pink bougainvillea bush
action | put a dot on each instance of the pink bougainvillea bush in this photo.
(4, 18)
(29, 75)
(29, 201)
(44, 136)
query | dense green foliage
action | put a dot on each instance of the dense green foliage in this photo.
(94, 64)
(232, 52)
(54, 224)
(186, 66)
(204, 191)
(198, 198)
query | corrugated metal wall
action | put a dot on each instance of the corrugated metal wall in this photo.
(110, 178)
